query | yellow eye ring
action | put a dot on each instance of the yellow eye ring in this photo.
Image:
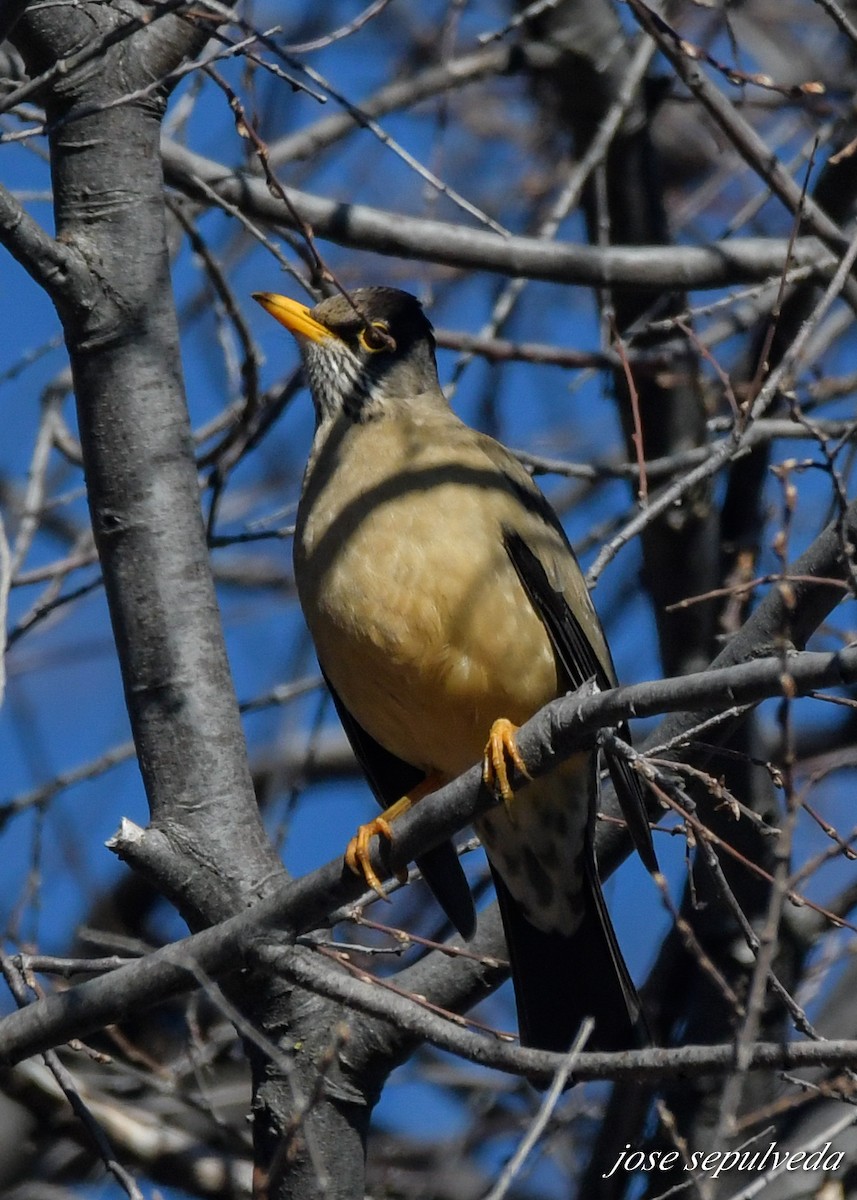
(376, 337)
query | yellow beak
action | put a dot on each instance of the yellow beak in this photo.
(297, 318)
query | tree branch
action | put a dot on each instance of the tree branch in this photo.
(651, 268)
(553, 734)
(540, 1066)
(61, 271)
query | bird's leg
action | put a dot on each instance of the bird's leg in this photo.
(501, 746)
(357, 851)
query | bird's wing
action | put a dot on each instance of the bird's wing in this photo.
(558, 603)
(391, 778)
(542, 532)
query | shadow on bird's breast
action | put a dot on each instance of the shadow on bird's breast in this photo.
(348, 496)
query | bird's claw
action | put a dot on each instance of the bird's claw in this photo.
(357, 854)
(501, 749)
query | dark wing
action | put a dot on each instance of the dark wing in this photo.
(580, 663)
(391, 778)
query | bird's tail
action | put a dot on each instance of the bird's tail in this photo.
(560, 979)
(441, 869)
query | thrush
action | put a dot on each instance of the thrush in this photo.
(446, 606)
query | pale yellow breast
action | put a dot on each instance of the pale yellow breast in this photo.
(418, 616)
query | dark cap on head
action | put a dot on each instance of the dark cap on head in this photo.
(363, 353)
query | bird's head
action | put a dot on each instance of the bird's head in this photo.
(362, 357)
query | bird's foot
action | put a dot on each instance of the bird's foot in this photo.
(357, 851)
(499, 751)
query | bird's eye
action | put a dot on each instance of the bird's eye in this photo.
(376, 337)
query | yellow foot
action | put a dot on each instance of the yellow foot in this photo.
(500, 749)
(357, 851)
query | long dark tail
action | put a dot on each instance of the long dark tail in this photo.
(561, 979)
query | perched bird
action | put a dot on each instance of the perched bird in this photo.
(447, 607)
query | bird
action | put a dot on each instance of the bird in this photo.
(447, 607)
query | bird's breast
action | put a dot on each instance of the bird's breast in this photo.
(418, 616)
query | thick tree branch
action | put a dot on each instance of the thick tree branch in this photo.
(61, 271)
(656, 1064)
(651, 268)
